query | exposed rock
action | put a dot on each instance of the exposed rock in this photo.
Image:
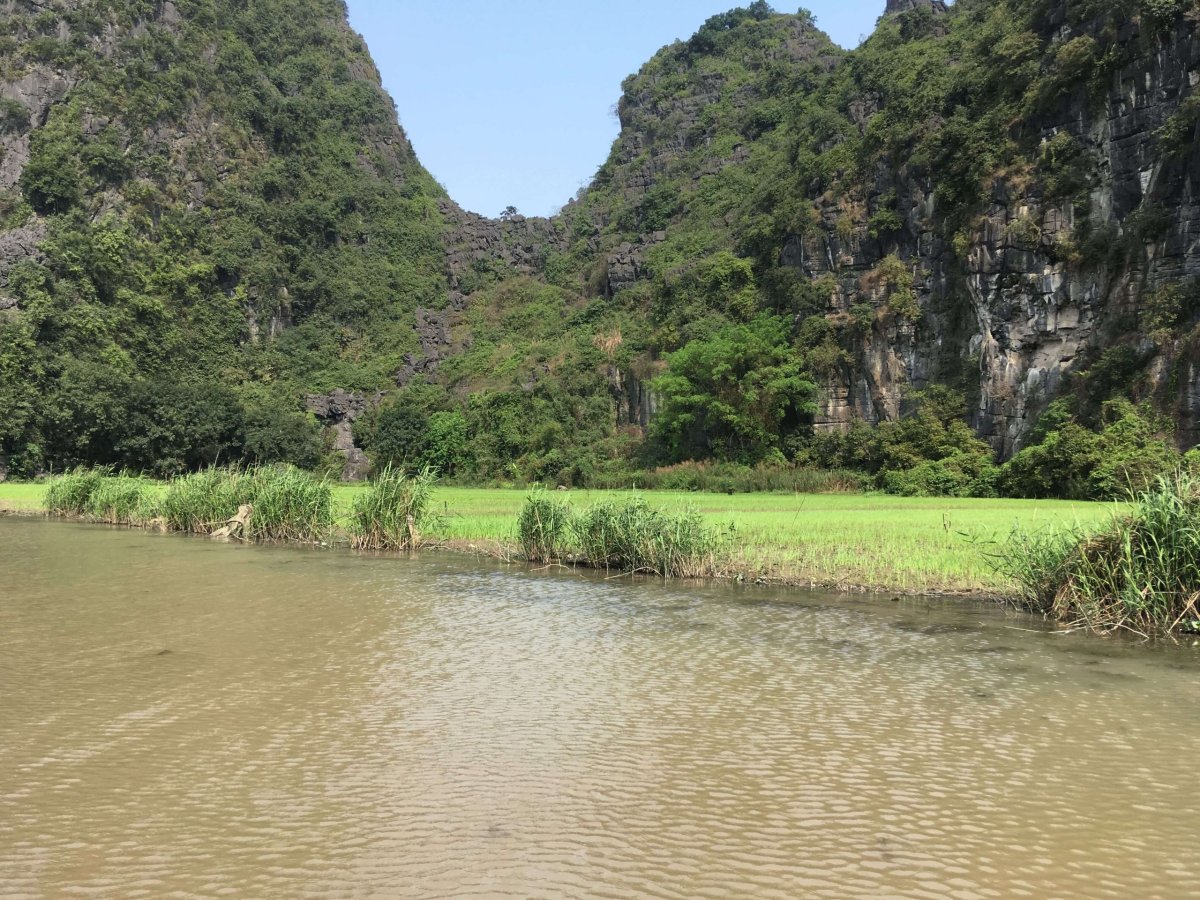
(338, 412)
(899, 6)
(15, 246)
(518, 243)
(433, 331)
(36, 90)
(636, 404)
(625, 266)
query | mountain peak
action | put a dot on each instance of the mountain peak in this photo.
(899, 6)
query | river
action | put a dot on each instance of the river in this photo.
(184, 718)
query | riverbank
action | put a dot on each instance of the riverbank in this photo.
(845, 542)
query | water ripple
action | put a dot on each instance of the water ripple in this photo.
(183, 720)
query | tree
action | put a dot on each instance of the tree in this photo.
(273, 434)
(171, 427)
(734, 395)
(400, 434)
(446, 441)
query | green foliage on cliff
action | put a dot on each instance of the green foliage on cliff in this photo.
(1122, 450)
(217, 172)
(229, 218)
(929, 451)
(736, 395)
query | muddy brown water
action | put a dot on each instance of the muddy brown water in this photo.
(179, 718)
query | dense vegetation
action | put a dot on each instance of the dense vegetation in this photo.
(232, 220)
(1140, 573)
(736, 144)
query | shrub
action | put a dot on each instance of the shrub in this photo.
(390, 513)
(964, 475)
(275, 434)
(734, 478)
(1129, 452)
(1141, 572)
(542, 528)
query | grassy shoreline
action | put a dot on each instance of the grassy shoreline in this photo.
(847, 542)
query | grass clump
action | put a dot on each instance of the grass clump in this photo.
(632, 536)
(122, 500)
(288, 504)
(542, 528)
(202, 502)
(69, 494)
(391, 512)
(1139, 572)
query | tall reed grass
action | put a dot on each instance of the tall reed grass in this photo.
(289, 504)
(99, 495)
(632, 536)
(123, 500)
(286, 504)
(202, 502)
(1140, 572)
(70, 493)
(392, 512)
(543, 527)
(626, 535)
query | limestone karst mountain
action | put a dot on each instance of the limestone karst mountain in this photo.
(208, 217)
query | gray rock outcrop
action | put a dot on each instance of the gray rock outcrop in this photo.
(338, 411)
(899, 6)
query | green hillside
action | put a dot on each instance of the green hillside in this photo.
(226, 214)
(963, 242)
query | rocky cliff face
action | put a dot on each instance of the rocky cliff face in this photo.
(299, 203)
(1034, 286)
(899, 6)
(1016, 307)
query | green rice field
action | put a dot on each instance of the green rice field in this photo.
(848, 541)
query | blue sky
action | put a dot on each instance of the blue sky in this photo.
(511, 101)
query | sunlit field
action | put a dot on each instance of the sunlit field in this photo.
(846, 540)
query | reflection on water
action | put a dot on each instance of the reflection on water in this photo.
(181, 717)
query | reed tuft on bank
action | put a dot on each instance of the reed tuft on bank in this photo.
(202, 502)
(393, 511)
(99, 495)
(1139, 572)
(123, 500)
(543, 528)
(623, 535)
(69, 494)
(288, 504)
